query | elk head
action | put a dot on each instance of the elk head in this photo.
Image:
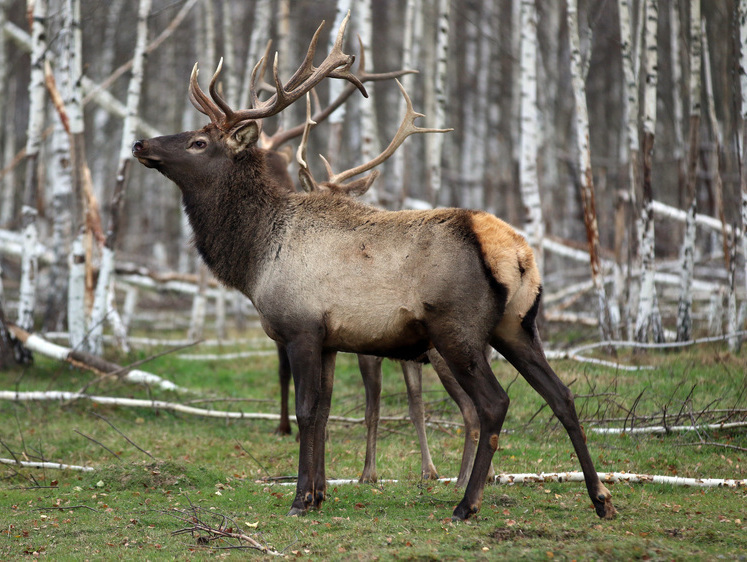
(210, 151)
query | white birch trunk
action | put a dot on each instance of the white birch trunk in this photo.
(230, 74)
(284, 46)
(434, 143)
(647, 313)
(76, 295)
(529, 184)
(469, 171)
(731, 301)
(29, 261)
(100, 309)
(370, 137)
(684, 309)
(220, 313)
(716, 313)
(586, 177)
(337, 117)
(743, 155)
(199, 307)
(6, 110)
(674, 53)
(260, 34)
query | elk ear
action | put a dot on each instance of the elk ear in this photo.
(244, 134)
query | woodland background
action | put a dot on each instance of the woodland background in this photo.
(478, 165)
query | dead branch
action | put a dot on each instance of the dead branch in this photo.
(90, 362)
(225, 530)
(45, 465)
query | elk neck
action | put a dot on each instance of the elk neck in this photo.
(237, 216)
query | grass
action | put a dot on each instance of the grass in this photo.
(129, 507)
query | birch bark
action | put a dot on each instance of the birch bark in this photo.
(743, 155)
(586, 177)
(530, 195)
(260, 35)
(370, 136)
(102, 301)
(29, 260)
(647, 321)
(337, 118)
(434, 143)
(684, 308)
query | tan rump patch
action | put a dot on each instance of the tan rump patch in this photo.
(510, 259)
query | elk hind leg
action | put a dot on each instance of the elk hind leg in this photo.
(523, 349)
(472, 371)
(370, 367)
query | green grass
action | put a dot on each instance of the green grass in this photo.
(126, 507)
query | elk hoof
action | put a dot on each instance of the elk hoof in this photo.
(605, 509)
(296, 511)
(464, 511)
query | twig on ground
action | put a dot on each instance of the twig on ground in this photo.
(130, 441)
(98, 443)
(204, 532)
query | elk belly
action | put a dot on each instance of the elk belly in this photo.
(398, 333)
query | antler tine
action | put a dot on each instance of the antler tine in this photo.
(220, 102)
(201, 101)
(303, 80)
(281, 137)
(304, 173)
(406, 128)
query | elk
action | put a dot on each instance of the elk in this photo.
(327, 273)
(370, 366)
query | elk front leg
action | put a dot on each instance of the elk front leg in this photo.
(524, 352)
(319, 484)
(370, 367)
(284, 374)
(306, 366)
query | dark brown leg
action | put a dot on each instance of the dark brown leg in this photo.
(284, 374)
(319, 483)
(370, 367)
(413, 373)
(524, 352)
(306, 365)
(472, 371)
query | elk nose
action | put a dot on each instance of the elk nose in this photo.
(138, 146)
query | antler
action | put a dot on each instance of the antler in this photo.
(283, 136)
(358, 187)
(336, 65)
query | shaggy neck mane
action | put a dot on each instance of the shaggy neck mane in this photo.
(236, 218)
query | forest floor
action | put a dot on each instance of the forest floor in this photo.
(232, 474)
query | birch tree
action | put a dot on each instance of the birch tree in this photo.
(62, 193)
(629, 50)
(586, 178)
(37, 98)
(6, 146)
(648, 320)
(337, 118)
(469, 178)
(260, 35)
(436, 107)
(528, 131)
(369, 133)
(101, 303)
(743, 155)
(684, 308)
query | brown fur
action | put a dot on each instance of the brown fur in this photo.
(328, 274)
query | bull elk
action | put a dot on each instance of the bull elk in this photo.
(328, 273)
(370, 366)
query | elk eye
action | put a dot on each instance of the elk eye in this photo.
(199, 143)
